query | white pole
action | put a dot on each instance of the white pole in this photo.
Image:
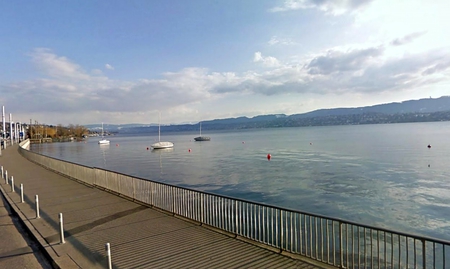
(61, 229)
(21, 192)
(12, 184)
(108, 255)
(11, 129)
(3, 175)
(6, 176)
(37, 207)
(4, 123)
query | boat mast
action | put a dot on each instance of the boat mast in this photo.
(159, 128)
(200, 128)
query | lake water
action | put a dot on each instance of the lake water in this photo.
(380, 175)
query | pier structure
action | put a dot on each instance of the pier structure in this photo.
(127, 222)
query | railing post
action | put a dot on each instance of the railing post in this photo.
(37, 207)
(108, 255)
(281, 230)
(21, 192)
(12, 184)
(61, 229)
(6, 177)
(424, 259)
(2, 170)
(202, 209)
(341, 246)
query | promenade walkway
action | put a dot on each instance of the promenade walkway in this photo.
(140, 236)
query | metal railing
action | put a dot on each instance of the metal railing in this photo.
(333, 241)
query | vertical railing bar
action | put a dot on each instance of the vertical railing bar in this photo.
(296, 233)
(260, 224)
(346, 245)
(353, 246)
(286, 230)
(237, 219)
(310, 237)
(392, 250)
(415, 254)
(385, 251)
(358, 246)
(407, 251)
(365, 249)
(216, 211)
(333, 242)
(301, 233)
(316, 238)
(281, 239)
(328, 240)
(378, 248)
(399, 252)
(443, 255)
(434, 254)
(272, 228)
(292, 232)
(341, 245)
(264, 224)
(251, 221)
(371, 248)
(321, 239)
(306, 237)
(255, 226)
(424, 258)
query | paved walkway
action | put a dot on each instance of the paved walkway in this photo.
(140, 237)
(17, 250)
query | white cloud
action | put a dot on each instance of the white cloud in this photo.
(109, 67)
(268, 61)
(52, 65)
(71, 95)
(406, 39)
(277, 41)
(334, 7)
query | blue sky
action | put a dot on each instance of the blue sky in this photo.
(82, 62)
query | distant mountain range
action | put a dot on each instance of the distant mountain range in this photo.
(422, 110)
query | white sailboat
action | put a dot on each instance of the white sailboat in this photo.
(202, 138)
(159, 144)
(103, 141)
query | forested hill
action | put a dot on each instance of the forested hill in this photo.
(423, 110)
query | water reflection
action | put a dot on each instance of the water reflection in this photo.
(161, 152)
(104, 148)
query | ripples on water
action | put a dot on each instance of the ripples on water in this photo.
(372, 174)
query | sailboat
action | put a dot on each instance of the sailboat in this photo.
(202, 138)
(159, 144)
(103, 141)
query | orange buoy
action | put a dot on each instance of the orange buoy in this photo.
(269, 156)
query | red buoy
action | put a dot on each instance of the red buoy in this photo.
(189, 150)
(147, 148)
(269, 156)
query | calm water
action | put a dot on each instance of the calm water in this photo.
(381, 175)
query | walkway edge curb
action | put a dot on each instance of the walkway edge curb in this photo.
(57, 262)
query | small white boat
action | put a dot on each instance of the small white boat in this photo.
(159, 144)
(202, 138)
(103, 141)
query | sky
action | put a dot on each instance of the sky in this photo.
(117, 62)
